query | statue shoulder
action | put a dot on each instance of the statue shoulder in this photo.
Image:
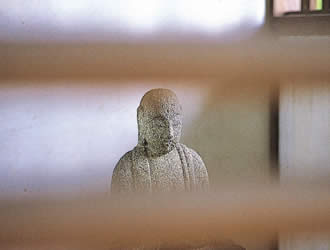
(124, 163)
(122, 178)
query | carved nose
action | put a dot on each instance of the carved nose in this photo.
(171, 132)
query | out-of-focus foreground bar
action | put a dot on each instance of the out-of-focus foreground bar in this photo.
(263, 58)
(98, 223)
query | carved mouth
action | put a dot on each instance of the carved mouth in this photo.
(169, 144)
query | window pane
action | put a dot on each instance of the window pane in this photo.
(316, 4)
(283, 6)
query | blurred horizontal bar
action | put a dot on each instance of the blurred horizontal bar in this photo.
(253, 60)
(101, 222)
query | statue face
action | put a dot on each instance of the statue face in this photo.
(160, 121)
(163, 132)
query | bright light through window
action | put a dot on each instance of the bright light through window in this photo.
(109, 17)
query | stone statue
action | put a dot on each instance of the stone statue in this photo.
(159, 163)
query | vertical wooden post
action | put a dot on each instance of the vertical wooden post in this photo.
(274, 130)
(305, 6)
(269, 9)
(325, 5)
(269, 16)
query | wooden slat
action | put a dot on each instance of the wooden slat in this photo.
(97, 223)
(266, 59)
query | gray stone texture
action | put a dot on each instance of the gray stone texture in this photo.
(159, 163)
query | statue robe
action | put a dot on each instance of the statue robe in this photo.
(132, 172)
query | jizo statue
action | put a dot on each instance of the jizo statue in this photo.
(159, 163)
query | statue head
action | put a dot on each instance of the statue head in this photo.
(159, 121)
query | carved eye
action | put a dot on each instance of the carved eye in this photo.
(159, 122)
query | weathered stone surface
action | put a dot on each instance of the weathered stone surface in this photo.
(159, 163)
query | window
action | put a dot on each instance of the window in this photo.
(300, 17)
(298, 7)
